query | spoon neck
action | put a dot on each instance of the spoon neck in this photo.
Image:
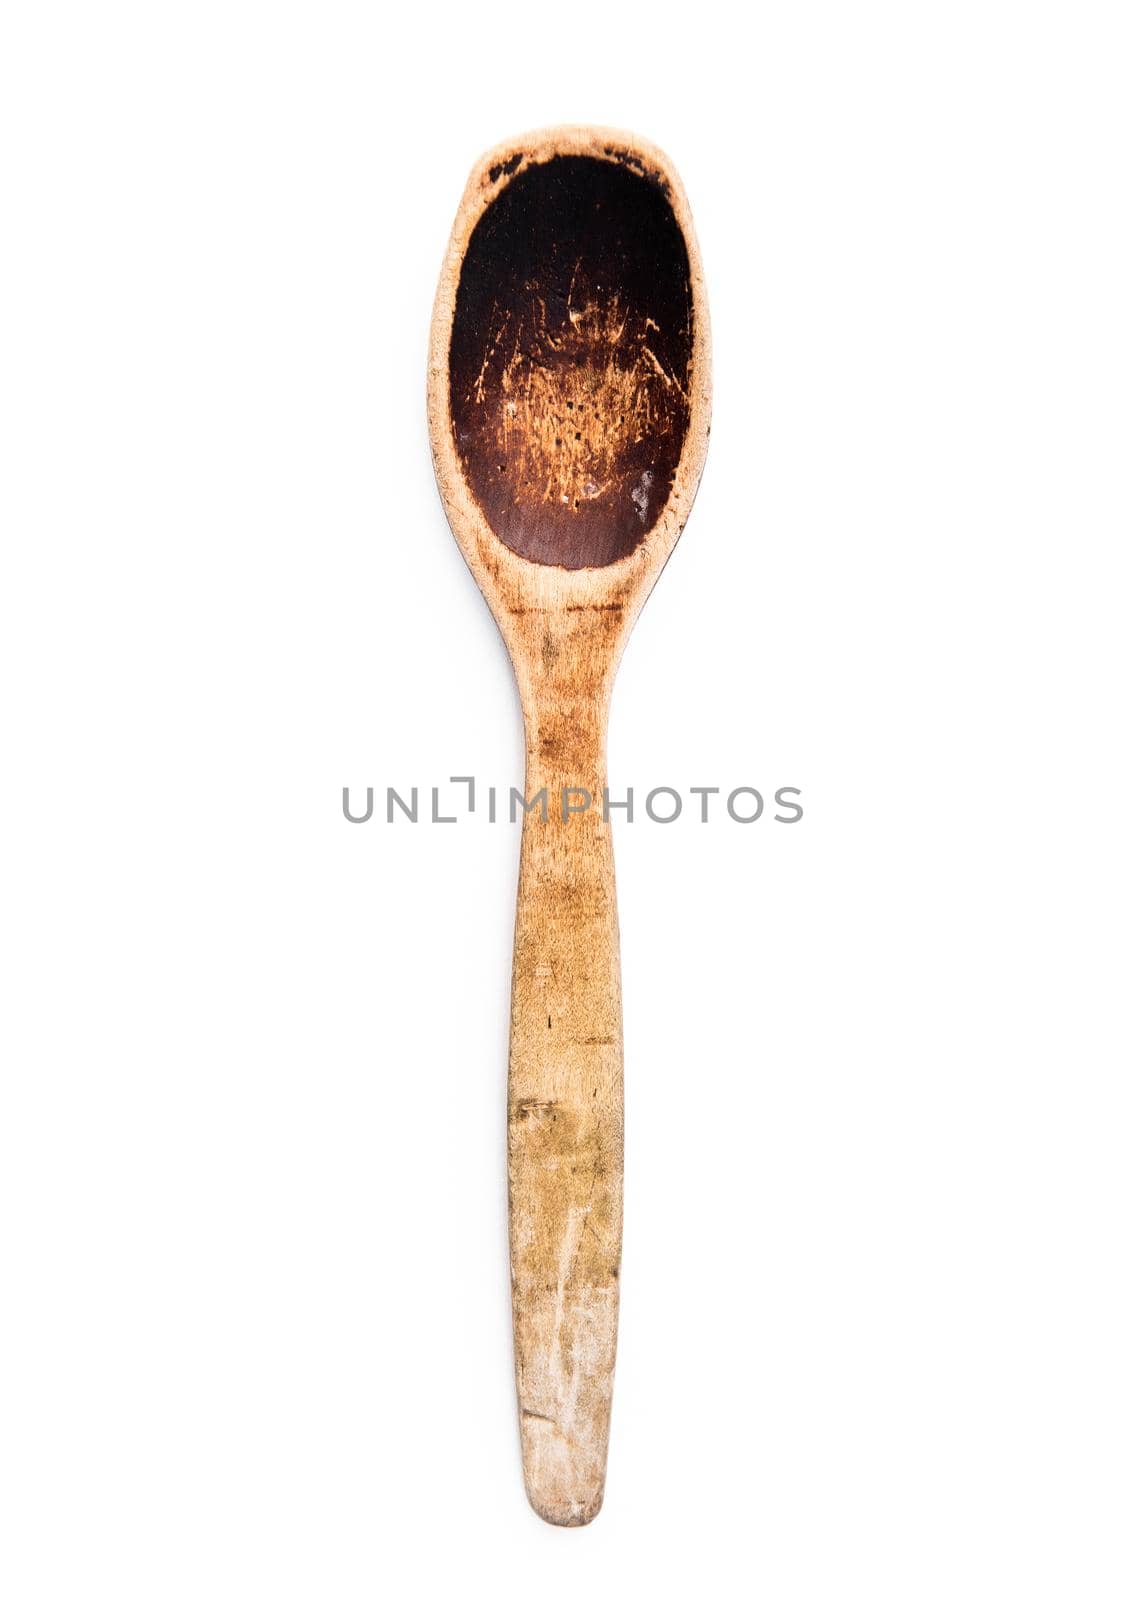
(566, 730)
(565, 658)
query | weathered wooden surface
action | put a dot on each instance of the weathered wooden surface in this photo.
(539, 494)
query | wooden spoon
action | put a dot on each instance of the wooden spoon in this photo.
(569, 397)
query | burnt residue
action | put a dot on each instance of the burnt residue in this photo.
(635, 163)
(502, 169)
(570, 359)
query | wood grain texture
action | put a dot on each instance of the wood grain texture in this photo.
(545, 335)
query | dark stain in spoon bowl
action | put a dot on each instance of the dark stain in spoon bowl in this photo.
(570, 360)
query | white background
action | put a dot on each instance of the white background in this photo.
(879, 1320)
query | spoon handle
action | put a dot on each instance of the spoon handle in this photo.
(566, 1119)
